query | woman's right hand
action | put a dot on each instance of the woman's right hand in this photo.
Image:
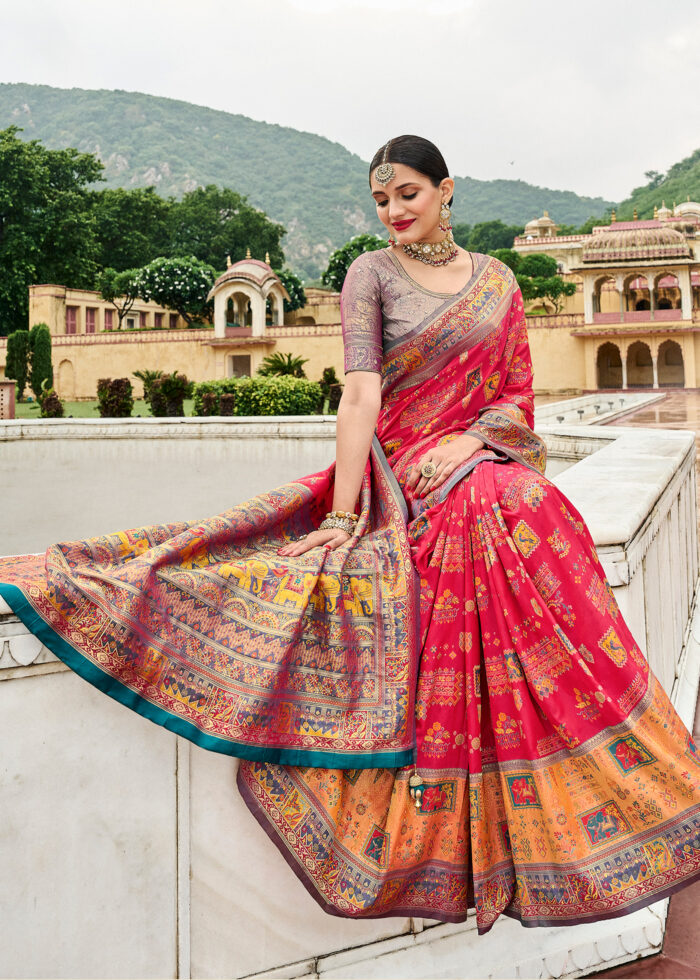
(330, 538)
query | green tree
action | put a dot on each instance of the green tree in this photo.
(132, 227)
(41, 376)
(509, 257)
(121, 289)
(341, 260)
(487, 236)
(179, 284)
(17, 367)
(294, 286)
(212, 222)
(47, 229)
(537, 264)
(282, 364)
(461, 234)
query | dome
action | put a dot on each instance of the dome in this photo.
(251, 270)
(634, 241)
(687, 209)
(663, 212)
(540, 226)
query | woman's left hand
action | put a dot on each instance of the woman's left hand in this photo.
(446, 458)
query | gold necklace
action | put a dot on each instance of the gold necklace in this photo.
(433, 253)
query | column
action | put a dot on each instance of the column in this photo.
(587, 299)
(655, 369)
(620, 285)
(652, 298)
(686, 293)
(623, 358)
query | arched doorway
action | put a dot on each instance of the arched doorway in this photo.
(637, 293)
(670, 369)
(640, 372)
(609, 366)
(606, 298)
(668, 292)
(65, 388)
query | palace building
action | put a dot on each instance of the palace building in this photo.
(632, 322)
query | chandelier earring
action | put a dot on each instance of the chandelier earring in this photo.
(445, 214)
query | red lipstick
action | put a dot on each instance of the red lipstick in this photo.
(402, 225)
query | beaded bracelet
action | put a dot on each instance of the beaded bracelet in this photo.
(344, 514)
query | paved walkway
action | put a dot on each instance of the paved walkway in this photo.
(681, 950)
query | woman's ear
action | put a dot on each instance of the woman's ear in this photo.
(447, 188)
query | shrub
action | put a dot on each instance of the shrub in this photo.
(334, 395)
(41, 375)
(259, 396)
(328, 378)
(167, 395)
(282, 364)
(18, 360)
(147, 378)
(51, 404)
(115, 398)
(227, 403)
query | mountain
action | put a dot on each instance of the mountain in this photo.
(316, 188)
(680, 183)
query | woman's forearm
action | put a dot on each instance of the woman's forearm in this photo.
(355, 427)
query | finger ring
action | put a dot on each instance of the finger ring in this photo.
(428, 469)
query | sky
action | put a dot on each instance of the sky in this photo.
(580, 96)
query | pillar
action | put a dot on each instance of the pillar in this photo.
(655, 369)
(620, 285)
(686, 293)
(588, 299)
(652, 298)
(623, 358)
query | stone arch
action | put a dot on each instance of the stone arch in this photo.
(65, 380)
(638, 291)
(667, 291)
(640, 369)
(670, 367)
(609, 366)
(599, 287)
(274, 305)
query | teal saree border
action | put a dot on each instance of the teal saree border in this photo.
(24, 610)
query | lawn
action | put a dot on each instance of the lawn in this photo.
(87, 410)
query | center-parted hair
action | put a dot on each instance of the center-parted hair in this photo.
(415, 152)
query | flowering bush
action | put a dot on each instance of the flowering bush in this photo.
(115, 398)
(178, 284)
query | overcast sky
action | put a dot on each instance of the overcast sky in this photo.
(579, 96)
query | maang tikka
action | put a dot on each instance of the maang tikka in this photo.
(384, 172)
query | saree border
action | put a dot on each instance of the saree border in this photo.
(111, 686)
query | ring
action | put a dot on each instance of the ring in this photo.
(428, 469)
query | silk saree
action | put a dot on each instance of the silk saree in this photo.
(470, 632)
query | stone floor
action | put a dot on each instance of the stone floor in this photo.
(681, 951)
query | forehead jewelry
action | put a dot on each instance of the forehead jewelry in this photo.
(384, 172)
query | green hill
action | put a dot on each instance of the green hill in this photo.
(680, 183)
(316, 188)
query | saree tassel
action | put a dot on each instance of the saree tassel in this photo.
(415, 788)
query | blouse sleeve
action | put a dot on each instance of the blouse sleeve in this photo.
(361, 316)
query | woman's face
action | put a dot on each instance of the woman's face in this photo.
(409, 205)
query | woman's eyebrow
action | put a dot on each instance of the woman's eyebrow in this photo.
(407, 184)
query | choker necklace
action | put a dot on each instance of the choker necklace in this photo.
(433, 253)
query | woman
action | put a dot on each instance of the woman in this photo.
(546, 775)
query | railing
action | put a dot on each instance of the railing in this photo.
(137, 856)
(638, 316)
(555, 320)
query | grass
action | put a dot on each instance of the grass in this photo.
(87, 410)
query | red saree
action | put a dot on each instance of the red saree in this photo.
(473, 628)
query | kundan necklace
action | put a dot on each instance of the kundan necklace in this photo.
(434, 253)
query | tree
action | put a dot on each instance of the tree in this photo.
(294, 286)
(47, 230)
(132, 227)
(282, 364)
(212, 222)
(537, 264)
(509, 257)
(121, 289)
(341, 260)
(487, 236)
(178, 284)
(17, 366)
(41, 376)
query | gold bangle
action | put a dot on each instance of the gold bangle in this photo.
(343, 523)
(344, 514)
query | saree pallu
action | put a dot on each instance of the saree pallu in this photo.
(560, 786)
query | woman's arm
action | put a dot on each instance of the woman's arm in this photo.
(356, 422)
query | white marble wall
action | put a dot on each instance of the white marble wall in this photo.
(127, 852)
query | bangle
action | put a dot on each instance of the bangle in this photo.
(343, 523)
(344, 514)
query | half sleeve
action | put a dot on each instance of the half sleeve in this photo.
(361, 316)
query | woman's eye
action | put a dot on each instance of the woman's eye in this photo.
(409, 197)
(382, 204)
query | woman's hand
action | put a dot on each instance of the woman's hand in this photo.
(330, 538)
(446, 458)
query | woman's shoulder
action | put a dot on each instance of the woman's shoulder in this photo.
(495, 265)
(369, 260)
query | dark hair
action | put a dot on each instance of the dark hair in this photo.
(415, 152)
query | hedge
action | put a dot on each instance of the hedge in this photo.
(259, 396)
